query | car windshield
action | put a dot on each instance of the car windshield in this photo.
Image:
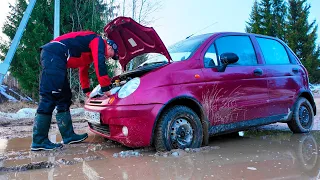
(179, 51)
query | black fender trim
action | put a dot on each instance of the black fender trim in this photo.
(310, 98)
(204, 120)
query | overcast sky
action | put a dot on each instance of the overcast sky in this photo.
(180, 18)
(4, 9)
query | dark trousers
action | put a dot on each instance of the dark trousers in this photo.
(54, 84)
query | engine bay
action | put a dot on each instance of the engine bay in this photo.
(121, 80)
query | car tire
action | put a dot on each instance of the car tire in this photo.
(178, 128)
(302, 118)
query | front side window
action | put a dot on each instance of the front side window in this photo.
(241, 46)
(210, 57)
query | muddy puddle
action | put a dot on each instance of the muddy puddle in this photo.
(253, 154)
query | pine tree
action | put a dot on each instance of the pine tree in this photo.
(254, 24)
(141, 12)
(279, 13)
(25, 64)
(85, 15)
(75, 15)
(289, 22)
(266, 18)
(302, 35)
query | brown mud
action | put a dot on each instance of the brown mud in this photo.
(253, 155)
(267, 152)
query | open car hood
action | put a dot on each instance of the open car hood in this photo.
(133, 39)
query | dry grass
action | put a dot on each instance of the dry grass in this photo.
(220, 105)
(76, 104)
(12, 107)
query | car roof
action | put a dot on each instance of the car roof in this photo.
(231, 33)
(243, 33)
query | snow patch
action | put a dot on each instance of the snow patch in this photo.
(29, 98)
(3, 92)
(77, 112)
(181, 152)
(315, 88)
(21, 114)
(175, 154)
(252, 168)
(21, 97)
(124, 154)
(29, 113)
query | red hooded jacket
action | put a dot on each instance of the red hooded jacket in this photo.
(85, 47)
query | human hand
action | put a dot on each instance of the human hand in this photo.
(107, 93)
(88, 94)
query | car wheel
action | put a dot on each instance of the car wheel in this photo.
(178, 128)
(302, 119)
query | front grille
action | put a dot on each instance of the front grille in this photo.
(95, 102)
(104, 129)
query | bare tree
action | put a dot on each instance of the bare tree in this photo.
(141, 11)
(147, 8)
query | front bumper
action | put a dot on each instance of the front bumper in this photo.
(139, 119)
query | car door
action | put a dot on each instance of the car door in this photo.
(240, 92)
(285, 76)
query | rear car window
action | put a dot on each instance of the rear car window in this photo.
(273, 51)
(241, 46)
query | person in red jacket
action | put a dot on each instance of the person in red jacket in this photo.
(71, 50)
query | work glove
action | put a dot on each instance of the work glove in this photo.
(108, 93)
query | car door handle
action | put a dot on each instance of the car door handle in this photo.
(258, 72)
(295, 70)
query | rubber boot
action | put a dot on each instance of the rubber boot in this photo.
(40, 139)
(66, 129)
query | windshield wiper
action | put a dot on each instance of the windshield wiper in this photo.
(159, 62)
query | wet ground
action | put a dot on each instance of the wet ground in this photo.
(254, 155)
(268, 152)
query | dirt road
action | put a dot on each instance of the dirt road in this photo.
(268, 152)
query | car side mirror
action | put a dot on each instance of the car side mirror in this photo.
(226, 59)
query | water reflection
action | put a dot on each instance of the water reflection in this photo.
(253, 155)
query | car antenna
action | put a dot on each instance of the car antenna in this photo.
(201, 29)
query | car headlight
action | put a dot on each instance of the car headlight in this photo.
(129, 87)
(96, 91)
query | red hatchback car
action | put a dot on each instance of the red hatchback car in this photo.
(202, 86)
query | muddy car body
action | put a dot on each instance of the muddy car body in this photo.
(202, 86)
